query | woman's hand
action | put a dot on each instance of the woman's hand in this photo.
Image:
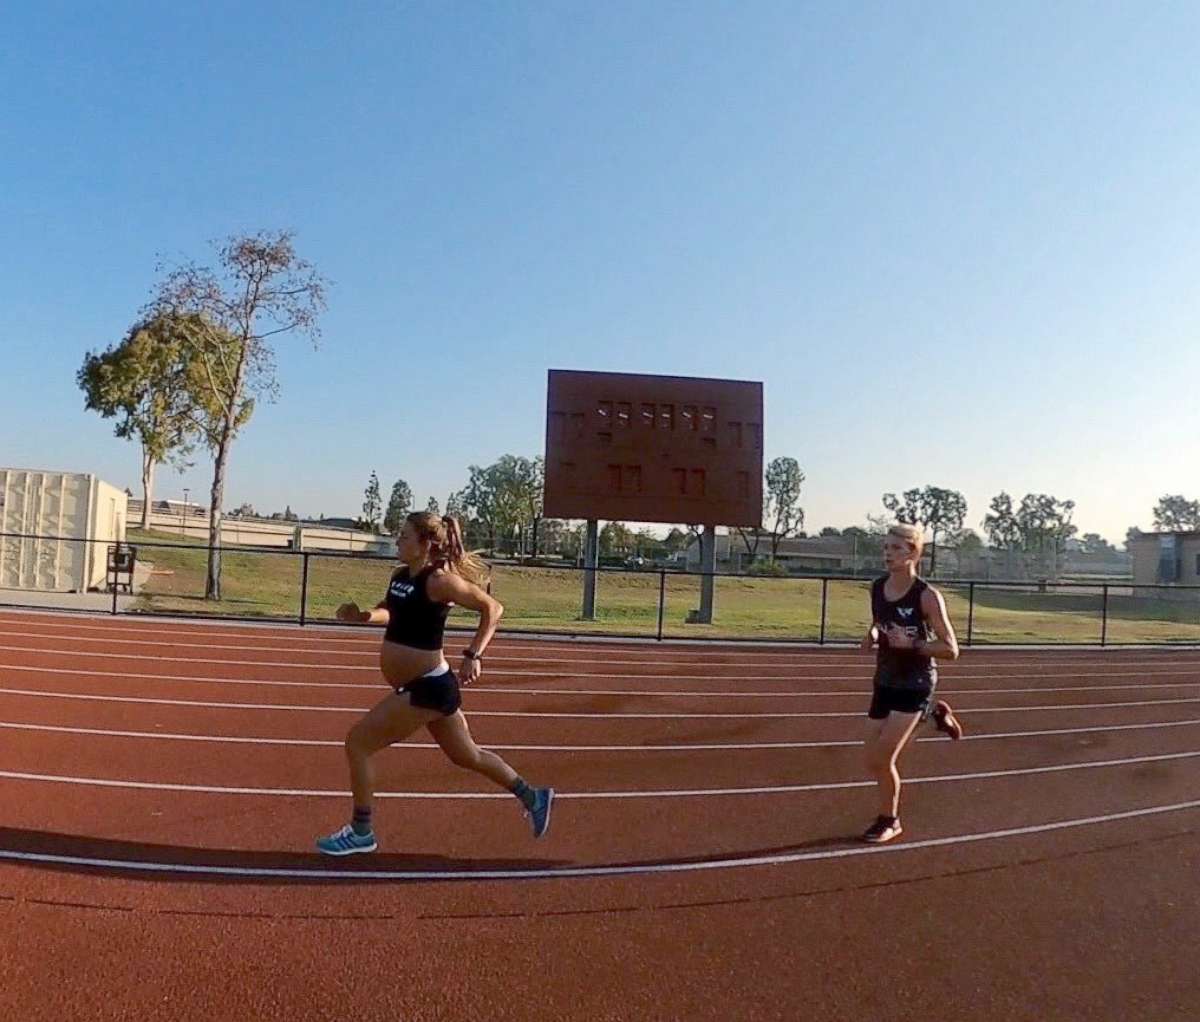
(869, 640)
(350, 613)
(470, 670)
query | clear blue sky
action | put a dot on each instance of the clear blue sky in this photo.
(957, 241)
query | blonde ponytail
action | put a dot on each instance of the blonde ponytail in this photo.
(446, 549)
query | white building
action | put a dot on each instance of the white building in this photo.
(55, 529)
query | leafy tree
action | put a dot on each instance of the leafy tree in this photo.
(784, 480)
(372, 504)
(1094, 543)
(505, 497)
(399, 504)
(677, 539)
(934, 508)
(644, 542)
(475, 534)
(970, 549)
(433, 507)
(143, 382)
(574, 538)
(1045, 524)
(456, 505)
(554, 535)
(228, 316)
(1003, 533)
(616, 540)
(1001, 525)
(1175, 513)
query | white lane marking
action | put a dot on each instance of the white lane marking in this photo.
(455, 796)
(373, 652)
(577, 716)
(686, 747)
(794, 660)
(565, 872)
(486, 688)
(290, 665)
(165, 624)
(582, 716)
(74, 640)
(791, 650)
(324, 632)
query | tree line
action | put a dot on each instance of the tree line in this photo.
(200, 355)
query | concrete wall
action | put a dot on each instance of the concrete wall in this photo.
(271, 533)
(64, 506)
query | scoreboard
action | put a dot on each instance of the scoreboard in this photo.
(638, 448)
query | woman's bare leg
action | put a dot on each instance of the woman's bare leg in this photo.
(454, 736)
(391, 720)
(885, 741)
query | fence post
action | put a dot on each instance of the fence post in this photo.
(824, 601)
(662, 599)
(1104, 618)
(304, 590)
(113, 573)
(970, 611)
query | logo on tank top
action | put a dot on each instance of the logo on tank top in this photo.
(905, 612)
(401, 590)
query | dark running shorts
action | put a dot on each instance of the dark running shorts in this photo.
(900, 700)
(439, 692)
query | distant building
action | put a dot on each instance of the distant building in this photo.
(829, 555)
(1166, 559)
(332, 523)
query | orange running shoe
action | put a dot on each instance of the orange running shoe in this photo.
(945, 721)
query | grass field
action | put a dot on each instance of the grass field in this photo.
(269, 585)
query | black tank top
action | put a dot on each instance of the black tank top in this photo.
(413, 618)
(902, 668)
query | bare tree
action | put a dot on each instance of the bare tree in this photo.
(259, 290)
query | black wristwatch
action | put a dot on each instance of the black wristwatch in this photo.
(471, 655)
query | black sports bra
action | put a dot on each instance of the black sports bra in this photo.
(413, 618)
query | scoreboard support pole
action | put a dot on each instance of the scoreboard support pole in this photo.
(591, 560)
(708, 565)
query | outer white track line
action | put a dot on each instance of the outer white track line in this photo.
(575, 872)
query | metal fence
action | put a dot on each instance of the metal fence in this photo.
(305, 587)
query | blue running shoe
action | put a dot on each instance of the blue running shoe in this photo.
(539, 814)
(346, 842)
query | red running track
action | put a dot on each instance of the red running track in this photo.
(161, 783)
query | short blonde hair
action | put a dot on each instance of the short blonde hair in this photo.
(912, 535)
